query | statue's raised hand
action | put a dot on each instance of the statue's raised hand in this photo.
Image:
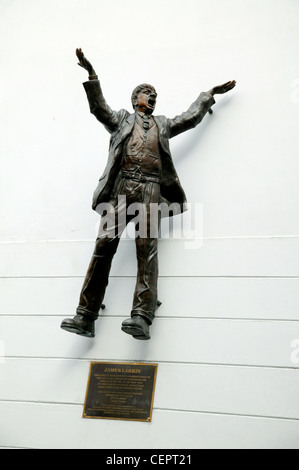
(83, 62)
(220, 89)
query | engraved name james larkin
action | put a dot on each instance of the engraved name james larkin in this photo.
(127, 371)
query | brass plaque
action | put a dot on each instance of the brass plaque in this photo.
(120, 390)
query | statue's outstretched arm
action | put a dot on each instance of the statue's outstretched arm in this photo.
(97, 103)
(196, 112)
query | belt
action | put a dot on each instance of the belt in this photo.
(140, 177)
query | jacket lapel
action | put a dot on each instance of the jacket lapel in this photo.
(126, 129)
(162, 134)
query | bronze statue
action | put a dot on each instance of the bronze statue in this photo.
(140, 171)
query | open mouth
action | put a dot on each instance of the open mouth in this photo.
(151, 102)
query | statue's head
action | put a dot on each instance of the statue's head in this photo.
(144, 98)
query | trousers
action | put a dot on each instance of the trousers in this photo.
(130, 195)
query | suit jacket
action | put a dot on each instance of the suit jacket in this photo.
(120, 125)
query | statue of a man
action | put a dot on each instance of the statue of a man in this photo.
(139, 170)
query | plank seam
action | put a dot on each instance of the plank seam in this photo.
(88, 359)
(160, 276)
(171, 410)
(163, 317)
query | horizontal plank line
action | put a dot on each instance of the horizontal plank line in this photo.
(172, 410)
(164, 317)
(203, 318)
(227, 414)
(168, 239)
(14, 447)
(122, 360)
(161, 277)
(41, 402)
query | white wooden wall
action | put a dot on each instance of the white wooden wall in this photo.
(226, 338)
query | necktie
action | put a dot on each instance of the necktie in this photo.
(146, 122)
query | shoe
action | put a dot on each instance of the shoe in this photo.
(136, 326)
(79, 325)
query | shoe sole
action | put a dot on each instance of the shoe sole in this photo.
(141, 337)
(135, 332)
(77, 331)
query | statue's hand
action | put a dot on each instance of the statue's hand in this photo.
(83, 62)
(220, 89)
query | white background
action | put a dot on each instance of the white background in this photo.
(228, 373)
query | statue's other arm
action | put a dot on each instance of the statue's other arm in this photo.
(194, 115)
(97, 103)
